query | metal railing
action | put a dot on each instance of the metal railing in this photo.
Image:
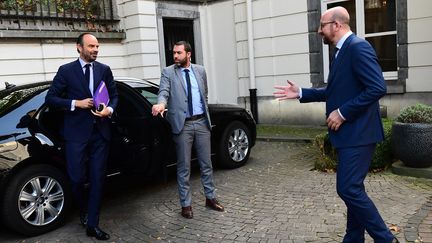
(88, 14)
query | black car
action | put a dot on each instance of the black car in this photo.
(34, 186)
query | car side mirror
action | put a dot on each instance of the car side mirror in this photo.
(26, 119)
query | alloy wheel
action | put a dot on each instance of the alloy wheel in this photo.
(238, 145)
(41, 200)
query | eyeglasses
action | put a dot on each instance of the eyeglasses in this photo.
(326, 23)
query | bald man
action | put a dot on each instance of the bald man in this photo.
(355, 84)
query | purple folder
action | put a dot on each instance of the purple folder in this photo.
(101, 95)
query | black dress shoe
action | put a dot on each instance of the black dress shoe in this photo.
(83, 219)
(97, 232)
(214, 204)
(187, 212)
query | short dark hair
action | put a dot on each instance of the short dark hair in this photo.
(186, 45)
(80, 41)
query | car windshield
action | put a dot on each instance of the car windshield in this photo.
(17, 109)
(9, 101)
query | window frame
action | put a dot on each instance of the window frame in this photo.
(360, 32)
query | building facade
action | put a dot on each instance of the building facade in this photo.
(247, 46)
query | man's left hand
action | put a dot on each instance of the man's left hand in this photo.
(334, 120)
(103, 113)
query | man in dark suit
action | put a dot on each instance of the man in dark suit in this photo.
(86, 131)
(183, 90)
(355, 84)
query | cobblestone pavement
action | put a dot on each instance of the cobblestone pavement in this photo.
(275, 197)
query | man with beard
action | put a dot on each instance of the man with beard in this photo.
(355, 84)
(183, 91)
(86, 132)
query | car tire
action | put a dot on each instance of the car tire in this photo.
(234, 146)
(36, 200)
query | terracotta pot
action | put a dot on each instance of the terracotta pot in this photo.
(412, 144)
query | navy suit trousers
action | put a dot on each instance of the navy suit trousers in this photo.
(86, 161)
(353, 166)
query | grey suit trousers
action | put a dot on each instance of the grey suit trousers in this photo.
(195, 134)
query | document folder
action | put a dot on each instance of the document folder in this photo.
(101, 95)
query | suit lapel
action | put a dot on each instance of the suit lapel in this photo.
(180, 78)
(198, 78)
(341, 55)
(96, 76)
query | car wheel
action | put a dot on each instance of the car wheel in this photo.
(234, 147)
(36, 200)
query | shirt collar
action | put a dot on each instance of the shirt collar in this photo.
(83, 63)
(188, 68)
(340, 43)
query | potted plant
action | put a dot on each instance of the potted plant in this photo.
(412, 136)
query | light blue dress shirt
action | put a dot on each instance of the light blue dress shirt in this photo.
(83, 63)
(197, 103)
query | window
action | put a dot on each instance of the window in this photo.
(375, 21)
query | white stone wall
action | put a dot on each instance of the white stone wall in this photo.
(141, 44)
(31, 61)
(281, 48)
(419, 46)
(280, 44)
(219, 51)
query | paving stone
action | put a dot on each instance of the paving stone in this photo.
(275, 197)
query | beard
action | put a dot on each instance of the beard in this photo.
(90, 56)
(326, 41)
(181, 62)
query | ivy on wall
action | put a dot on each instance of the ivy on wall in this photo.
(83, 8)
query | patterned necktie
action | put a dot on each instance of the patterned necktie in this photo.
(189, 92)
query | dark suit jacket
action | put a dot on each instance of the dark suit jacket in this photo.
(69, 84)
(355, 84)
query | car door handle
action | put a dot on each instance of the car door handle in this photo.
(126, 140)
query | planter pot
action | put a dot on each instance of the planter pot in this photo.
(412, 144)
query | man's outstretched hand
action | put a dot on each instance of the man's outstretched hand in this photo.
(290, 91)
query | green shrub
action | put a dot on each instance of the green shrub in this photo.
(328, 158)
(382, 157)
(418, 113)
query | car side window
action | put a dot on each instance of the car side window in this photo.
(51, 121)
(126, 108)
(150, 96)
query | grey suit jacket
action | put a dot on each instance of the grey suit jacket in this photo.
(172, 93)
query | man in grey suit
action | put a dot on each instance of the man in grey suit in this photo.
(183, 92)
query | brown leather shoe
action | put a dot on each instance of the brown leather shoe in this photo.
(187, 212)
(214, 204)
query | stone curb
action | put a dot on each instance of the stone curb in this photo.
(284, 139)
(412, 233)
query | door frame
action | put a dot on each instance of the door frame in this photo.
(179, 11)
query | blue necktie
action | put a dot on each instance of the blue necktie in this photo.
(333, 56)
(189, 92)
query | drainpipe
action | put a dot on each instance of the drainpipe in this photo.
(252, 89)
